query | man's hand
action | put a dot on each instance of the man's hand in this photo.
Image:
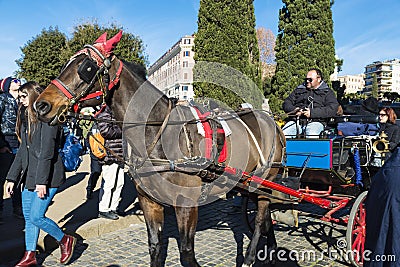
(5, 150)
(298, 112)
(41, 190)
(307, 112)
(9, 188)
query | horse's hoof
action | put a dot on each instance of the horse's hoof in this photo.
(245, 265)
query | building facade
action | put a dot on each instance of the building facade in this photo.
(172, 73)
(387, 76)
(353, 83)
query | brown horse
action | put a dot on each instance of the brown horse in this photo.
(167, 151)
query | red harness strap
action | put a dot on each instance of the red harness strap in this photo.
(63, 88)
(117, 75)
(209, 137)
(224, 153)
(70, 95)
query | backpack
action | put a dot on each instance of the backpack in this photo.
(96, 143)
(71, 151)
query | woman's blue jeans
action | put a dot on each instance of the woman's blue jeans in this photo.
(34, 209)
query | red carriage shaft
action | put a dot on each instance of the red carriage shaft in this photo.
(324, 203)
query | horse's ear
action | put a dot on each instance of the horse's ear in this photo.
(112, 43)
(102, 38)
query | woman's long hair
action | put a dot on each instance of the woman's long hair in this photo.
(392, 117)
(27, 114)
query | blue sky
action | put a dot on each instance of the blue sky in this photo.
(364, 30)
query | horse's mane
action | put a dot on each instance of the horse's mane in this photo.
(136, 68)
(139, 71)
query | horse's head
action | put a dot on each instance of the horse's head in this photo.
(83, 81)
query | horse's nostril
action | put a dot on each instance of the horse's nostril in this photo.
(42, 107)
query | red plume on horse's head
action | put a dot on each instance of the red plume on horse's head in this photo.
(107, 47)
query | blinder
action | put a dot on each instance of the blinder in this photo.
(87, 70)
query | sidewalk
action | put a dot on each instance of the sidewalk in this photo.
(72, 211)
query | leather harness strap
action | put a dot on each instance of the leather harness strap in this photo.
(83, 96)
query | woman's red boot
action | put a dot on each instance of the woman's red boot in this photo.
(28, 260)
(67, 245)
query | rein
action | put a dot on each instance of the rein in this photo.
(226, 116)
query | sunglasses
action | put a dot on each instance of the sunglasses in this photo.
(382, 115)
(308, 80)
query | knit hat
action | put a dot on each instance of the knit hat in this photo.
(5, 84)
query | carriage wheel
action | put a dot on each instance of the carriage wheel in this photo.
(355, 234)
(249, 212)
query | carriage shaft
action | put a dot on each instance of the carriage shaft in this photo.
(324, 203)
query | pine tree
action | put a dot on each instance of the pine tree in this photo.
(226, 52)
(304, 41)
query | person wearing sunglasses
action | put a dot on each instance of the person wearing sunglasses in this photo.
(39, 167)
(9, 92)
(387, 124)
(309, 106)
(382, 205)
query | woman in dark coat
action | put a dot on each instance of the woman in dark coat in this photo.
(38, 166)
(387, 124)
(382, 243)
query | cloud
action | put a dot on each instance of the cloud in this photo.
(357, 56)
(373, 44)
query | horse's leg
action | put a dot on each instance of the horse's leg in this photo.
(271, 240)
(263, 225)
(154, 217)
(187, 221)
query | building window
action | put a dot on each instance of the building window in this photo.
(186, 53)
(185, 64)
(185, 76)
(186, 41)
(185, 88)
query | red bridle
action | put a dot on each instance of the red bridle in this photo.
(104, 64)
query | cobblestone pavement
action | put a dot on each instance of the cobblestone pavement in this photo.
(221, 240)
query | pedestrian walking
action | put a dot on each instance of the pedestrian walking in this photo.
(39, 167)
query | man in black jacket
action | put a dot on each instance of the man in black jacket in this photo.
(308, 106)
(112, 166)
(9, 92)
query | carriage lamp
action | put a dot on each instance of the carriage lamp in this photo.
(381, 145)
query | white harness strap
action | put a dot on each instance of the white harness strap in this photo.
(263, 161)
(200, 127)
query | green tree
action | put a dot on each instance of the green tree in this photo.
(375, 92)
(44, 55)
(130, 47)
(227, 36)
(41, 59)
(339, 64)
(304, 41)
